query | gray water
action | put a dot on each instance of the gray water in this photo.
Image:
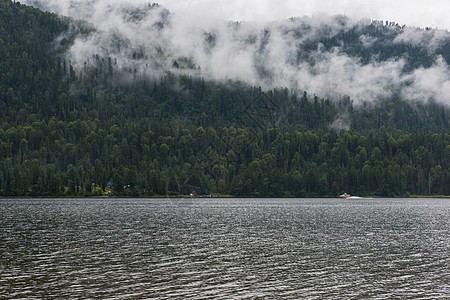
(225, 248)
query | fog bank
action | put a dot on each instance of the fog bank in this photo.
(150, 40)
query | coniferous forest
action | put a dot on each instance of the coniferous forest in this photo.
(66, 132)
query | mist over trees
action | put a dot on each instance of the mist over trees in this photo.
(68, 127)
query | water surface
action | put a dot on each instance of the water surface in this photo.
(225, 248)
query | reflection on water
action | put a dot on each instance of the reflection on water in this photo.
(225, 248)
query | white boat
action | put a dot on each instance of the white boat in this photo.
(348, 196)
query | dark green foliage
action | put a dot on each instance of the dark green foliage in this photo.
(66, 134)
(368, 42)
(153, 158)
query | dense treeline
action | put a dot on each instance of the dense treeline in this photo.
(65, 133)
(160, 157)
(146, 158)
(30, 75)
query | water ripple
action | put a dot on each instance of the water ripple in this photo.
(225, 249)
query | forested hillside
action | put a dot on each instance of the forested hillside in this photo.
(67, 128)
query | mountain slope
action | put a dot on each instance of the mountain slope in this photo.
(331, 57)
(69, 126)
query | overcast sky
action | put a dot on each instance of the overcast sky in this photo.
(431, 13)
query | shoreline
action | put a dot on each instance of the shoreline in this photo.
(216, 196)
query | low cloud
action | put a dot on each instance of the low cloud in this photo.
(424, 38)
(429, 83)
(149, 41)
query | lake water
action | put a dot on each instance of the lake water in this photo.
(225, 248)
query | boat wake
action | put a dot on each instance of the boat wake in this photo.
(348, 196)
